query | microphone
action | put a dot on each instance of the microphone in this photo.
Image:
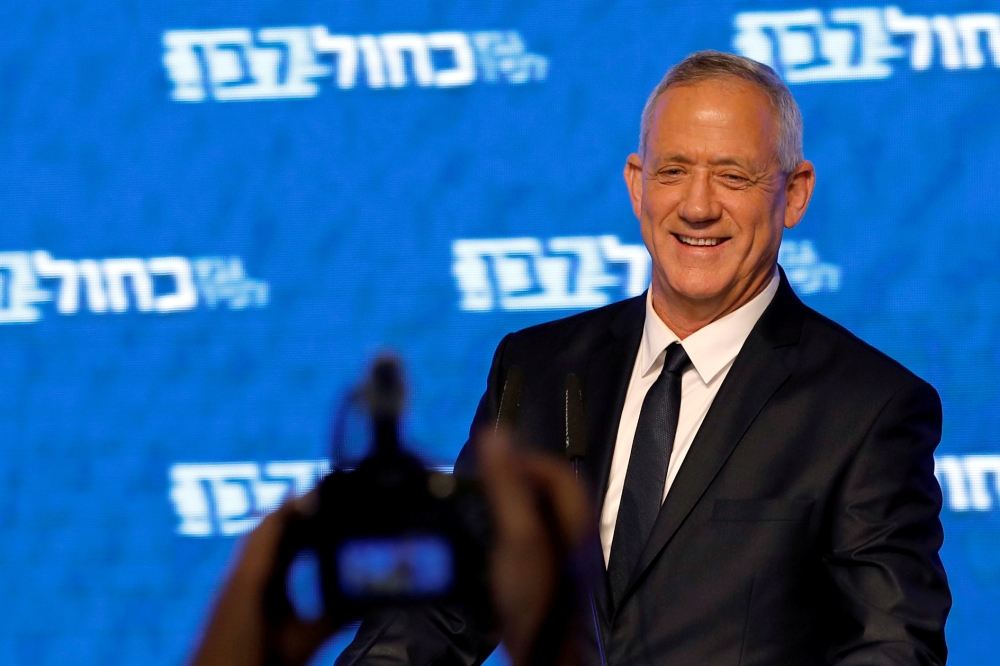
(576, 451)
(510, 400)
(576, 425)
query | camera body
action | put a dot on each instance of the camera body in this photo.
(390, 531)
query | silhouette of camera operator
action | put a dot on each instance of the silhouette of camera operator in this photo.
(541, 520)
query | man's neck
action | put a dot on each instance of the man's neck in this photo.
(685, 316)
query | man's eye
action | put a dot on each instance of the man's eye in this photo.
(734, 178)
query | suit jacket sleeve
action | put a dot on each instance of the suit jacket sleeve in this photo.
(441, 634)
(883, 556)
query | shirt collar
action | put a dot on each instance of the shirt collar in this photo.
(710, 348)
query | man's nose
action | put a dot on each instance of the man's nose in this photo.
(700, 204)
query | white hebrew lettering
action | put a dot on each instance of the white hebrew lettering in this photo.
(183, 66)
(970, 27)
(234, 64)
(220, 52)
(570, 272)
(231, 490)
(214, 498)
(511, 262)
(161, 284)
(804, 270)
(979, 470)
(858, 43)
(800, 45)
(231, 498)
(282, 66)
(394, 46)
(68, 300)
(115, 273)
(472, 274)
(346, 51)
(860, 31)
(93, 280)
(576, 272)
(635, 257)
(502, 57)
(224, 281)
(951, 475)
(756, 32)
(295, 477)
(70, 273)
(463, 72)
(951, 56)
(917, 27)
(303, 474)
(591, 276)
(297, 60)
(969, 483)
(191, 503)
(19, 290)
(185, 296)
(374, 63)
(269, 493)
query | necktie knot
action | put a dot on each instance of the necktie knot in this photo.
(677, 360)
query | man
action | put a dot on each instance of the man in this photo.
(764, 478)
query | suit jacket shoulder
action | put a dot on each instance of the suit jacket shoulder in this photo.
(854, 369)
(575, 333)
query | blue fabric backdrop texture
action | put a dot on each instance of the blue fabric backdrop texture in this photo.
(213, 214)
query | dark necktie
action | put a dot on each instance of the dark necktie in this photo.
(647, 470)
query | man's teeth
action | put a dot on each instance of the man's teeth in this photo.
(687, 240)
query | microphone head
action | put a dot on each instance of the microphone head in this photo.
(576, 422)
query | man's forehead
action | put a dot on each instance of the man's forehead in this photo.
(712, 114)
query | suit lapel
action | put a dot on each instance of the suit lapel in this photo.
(606, 379)
(758, 371)
(606, 382)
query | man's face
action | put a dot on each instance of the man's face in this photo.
(710, 195)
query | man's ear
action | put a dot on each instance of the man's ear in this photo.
(633, 181)
(798, 191)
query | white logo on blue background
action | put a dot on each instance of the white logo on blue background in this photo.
(227, 499)
(569, 272)
(966, 482)
(859, 43)
(804, 269)
(287, 63)
(582, 272)
(158, 285)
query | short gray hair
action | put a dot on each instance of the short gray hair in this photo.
(706, 65)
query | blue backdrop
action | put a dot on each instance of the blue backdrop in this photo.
(213, 214)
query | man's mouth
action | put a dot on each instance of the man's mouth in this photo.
(700, 242)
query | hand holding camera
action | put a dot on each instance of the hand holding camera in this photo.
(392, 533)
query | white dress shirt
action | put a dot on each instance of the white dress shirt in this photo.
(712, 350)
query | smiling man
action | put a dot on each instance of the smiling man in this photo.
(719, 174)
(764, 479)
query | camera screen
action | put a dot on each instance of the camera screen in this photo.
(402, 567)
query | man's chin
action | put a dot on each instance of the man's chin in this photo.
(699, 290)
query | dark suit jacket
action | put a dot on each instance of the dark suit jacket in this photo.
(802, 527)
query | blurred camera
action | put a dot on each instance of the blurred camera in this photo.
(391, 531)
